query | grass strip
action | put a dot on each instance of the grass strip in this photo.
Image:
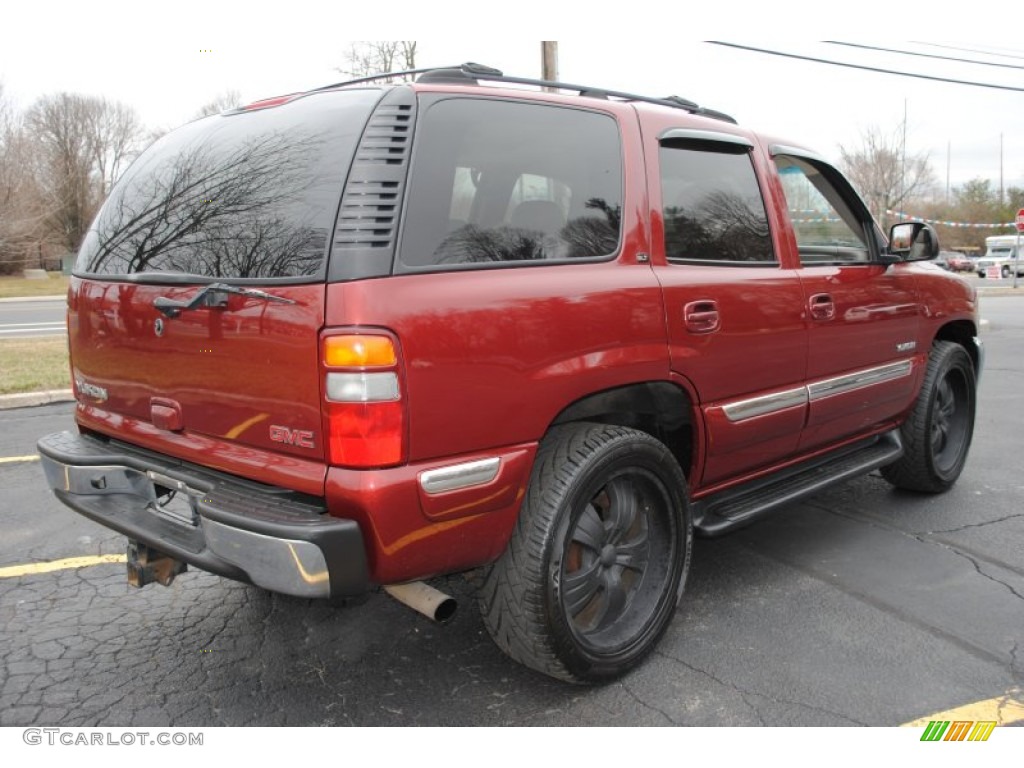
(33, 365)
(55, 284)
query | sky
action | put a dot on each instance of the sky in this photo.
(168, 62)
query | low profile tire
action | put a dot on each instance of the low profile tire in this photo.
(937, 434)
(597, 562)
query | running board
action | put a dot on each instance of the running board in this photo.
(732, 508)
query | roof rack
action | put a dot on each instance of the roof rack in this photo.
(470, 73)
(457, 72)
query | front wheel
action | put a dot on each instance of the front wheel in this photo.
(937, 434)
(1006, 272)
(598, 559)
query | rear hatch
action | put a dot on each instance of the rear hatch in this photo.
(199, 291)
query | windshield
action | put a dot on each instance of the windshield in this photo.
(246, 195)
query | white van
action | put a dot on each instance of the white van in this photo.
(1001, 252)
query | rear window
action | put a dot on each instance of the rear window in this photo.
(499, 182)
(250, 195)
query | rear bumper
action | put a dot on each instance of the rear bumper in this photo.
(271, 537)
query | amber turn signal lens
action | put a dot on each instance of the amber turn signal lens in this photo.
(358, 351)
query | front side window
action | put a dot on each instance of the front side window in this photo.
(499, 182)
(827, 230)
(712, 206)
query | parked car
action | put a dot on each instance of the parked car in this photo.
(376, 332)
(958, 262)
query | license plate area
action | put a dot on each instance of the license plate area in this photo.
(173, 500)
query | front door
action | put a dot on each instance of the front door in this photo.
(863, 314)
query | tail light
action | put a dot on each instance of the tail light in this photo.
(364, 410)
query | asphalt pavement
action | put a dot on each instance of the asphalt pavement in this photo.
(24, 318)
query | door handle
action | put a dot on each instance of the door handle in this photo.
(702, 316)
(822, 306)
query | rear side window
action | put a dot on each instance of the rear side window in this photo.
(510, 182)
(250, 195)
(712, 206)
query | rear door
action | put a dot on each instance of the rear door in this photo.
(733, 311)
(164, 358)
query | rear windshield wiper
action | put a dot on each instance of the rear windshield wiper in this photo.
(213, 296)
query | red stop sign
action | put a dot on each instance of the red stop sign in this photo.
(1020, 220)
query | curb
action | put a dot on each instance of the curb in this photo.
(27, 399)
(1001, 291)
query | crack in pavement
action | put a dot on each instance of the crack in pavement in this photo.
(644, 704)
(743, 693)
(922, 538)
(976, 525)
(977, 567)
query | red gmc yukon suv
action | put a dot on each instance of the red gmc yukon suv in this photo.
(378, 332)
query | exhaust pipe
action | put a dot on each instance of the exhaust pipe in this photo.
(432, 603)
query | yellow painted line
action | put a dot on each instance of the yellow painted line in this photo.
(1005, 709)
(59, 565)
(16, 459)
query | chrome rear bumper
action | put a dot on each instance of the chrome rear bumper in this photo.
(271, 537)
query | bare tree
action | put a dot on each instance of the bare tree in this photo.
(113, 132)
(20, 208)
(222, 102)
(886, 176)
(371, 57)
(82, 143)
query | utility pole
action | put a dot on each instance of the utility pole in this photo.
(1000, 170)
(949, 148)
(549, 61)
(903, 164)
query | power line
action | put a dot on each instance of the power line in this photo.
(926, 55)
(968, 50)
(869, 69)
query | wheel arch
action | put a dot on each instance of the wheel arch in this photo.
(962, 332)
(662, 409)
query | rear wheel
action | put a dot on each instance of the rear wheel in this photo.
(597, 562)
(937, 434)
(1006, 271)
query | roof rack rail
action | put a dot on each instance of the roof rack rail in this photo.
(471, 72)
(391, 76)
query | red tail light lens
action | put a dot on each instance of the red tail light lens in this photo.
(366, 434)
(364, 410)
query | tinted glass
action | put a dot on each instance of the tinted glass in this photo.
(712, 206)
(250, 195)
(827, 230)
(497, 181)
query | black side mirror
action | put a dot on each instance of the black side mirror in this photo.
(913, 241)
